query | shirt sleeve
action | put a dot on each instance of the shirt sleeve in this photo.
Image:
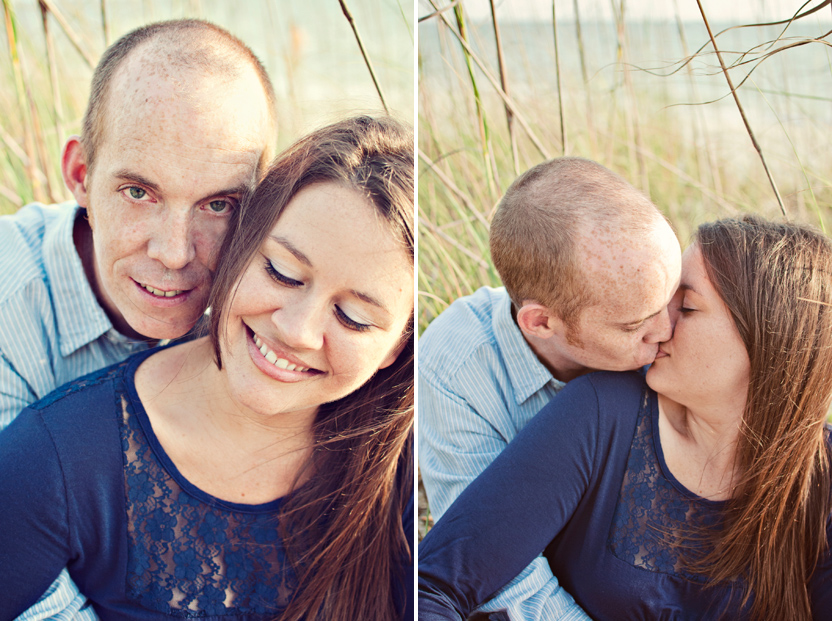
(61, 602)
(15, 392)
(34, 528)
(456, 443)
(509, 514)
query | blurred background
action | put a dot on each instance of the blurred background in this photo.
(633, 84)
(49, 48)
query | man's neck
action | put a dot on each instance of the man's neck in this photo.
(82, 238)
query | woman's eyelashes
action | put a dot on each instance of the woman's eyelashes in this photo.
(347, 321)
(281, 278)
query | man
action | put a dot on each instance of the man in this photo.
(589, 266)
(179, 122)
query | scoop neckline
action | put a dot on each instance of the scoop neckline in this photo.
(657, 446)
(165, 460)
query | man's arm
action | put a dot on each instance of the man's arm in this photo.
(512, 512)
(62, 601)
(456, 443)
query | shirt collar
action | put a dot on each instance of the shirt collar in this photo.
(527, 374)
(81, 320)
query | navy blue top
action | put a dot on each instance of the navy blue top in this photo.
(85, 484)
(585, 481)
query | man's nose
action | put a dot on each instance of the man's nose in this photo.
(662, 328)
(171, 242)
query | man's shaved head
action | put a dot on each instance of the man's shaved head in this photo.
(179, 51)
(542, 224)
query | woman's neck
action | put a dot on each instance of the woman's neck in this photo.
(700, 446)
(223, 448)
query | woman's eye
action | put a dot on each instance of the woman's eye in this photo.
(685, 310)
(277, 276)
(220, 205)
(349, 322)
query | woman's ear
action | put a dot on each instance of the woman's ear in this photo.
(538, 321)
(74, 169)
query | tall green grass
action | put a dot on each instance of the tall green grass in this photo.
(327, 59)
(645, 118)
(667, 123)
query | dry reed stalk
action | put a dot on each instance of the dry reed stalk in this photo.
(438, 11)
(506, 99)
(740, 108)
(557, 75)
(10, 196)
(440, 233)
(630, 111)
(70, 33)
(367, 62)
(51, 60)
(105, 26)
(30, 163)
(450, 185)
(40, 145)
(590, 117)
(482, 125)
(504, 83)
(701, 124)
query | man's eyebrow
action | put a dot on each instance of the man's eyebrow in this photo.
(129, 175)
(296, 252)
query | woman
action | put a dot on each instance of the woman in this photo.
(708, 498)
(263, 471)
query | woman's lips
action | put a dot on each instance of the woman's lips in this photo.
(277, 364)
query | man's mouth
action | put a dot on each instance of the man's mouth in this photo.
(161, 293)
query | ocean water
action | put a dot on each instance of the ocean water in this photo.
(787, 99)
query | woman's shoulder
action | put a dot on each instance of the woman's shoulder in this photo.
(611, 390)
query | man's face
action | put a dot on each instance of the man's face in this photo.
(632, 284)
(169, 171)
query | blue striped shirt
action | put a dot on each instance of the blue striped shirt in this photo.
(479, 384)
(52, 330)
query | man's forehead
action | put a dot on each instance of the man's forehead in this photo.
(149, 101)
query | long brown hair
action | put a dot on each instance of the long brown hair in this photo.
(343, 529)
(776, 280)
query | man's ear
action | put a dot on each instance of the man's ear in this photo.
(74, 169)
(539, 321)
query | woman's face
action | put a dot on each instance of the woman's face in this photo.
(321, 307)
(705, 362)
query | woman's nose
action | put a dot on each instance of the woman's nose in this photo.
(300, 325)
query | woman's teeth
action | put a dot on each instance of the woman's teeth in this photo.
(162, 294)
(280, 363)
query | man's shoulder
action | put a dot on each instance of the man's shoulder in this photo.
(464, 332)
(22, 238)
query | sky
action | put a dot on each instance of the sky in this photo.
(716, 10)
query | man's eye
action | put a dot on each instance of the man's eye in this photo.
(136, 192)
(220, 206)
(633, 328)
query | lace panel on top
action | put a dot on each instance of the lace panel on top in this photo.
(188, 556)
(652, 512)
